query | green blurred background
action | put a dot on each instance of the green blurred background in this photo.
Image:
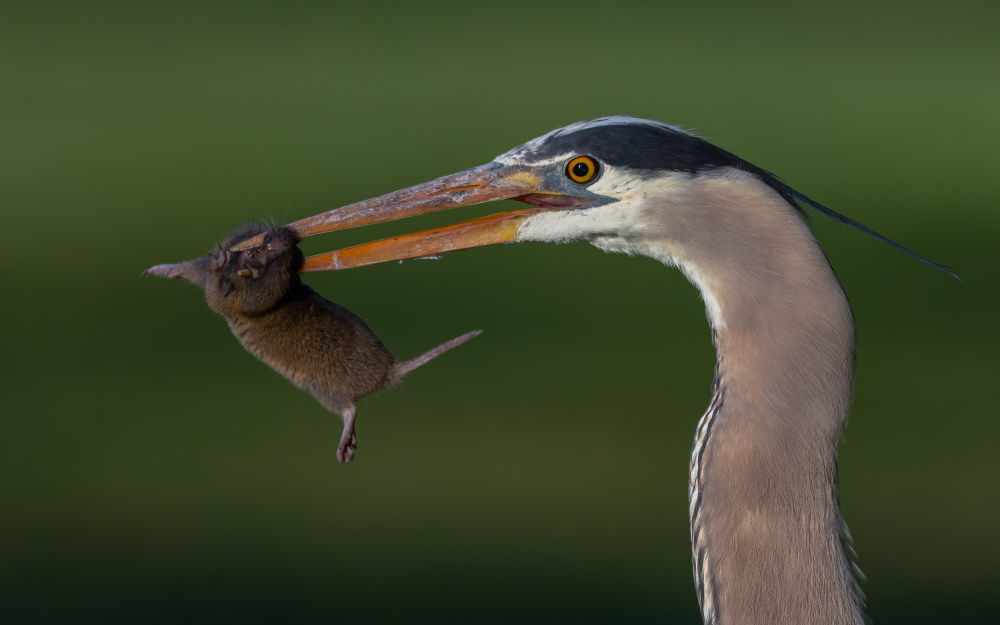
(152, 471)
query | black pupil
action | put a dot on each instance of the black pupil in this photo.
(581, 169)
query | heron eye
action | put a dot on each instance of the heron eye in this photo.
(581, 169)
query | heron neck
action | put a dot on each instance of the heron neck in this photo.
(766, 524)
(767, 534)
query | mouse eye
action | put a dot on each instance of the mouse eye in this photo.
(582, 169)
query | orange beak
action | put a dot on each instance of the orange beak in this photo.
(493, 181)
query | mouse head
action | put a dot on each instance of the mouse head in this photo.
(255, 280)
(248, 282)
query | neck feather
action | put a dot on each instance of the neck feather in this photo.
(768, 538)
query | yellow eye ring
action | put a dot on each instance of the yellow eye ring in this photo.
(581, 169)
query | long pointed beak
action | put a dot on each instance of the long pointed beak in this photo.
(489, 182)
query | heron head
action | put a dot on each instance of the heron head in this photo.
(590, 180)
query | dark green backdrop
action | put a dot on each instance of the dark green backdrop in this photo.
(152, 471)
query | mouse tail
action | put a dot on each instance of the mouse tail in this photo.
(400, 369)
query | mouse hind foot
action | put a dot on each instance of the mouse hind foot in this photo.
(349, 439)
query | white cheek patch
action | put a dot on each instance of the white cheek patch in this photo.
(617, 226)
(620, 184)
(627, 186)
(612, 227)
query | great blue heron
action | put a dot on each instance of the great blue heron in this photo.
(769, 543)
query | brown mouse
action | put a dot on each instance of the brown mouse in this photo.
(318, 345)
